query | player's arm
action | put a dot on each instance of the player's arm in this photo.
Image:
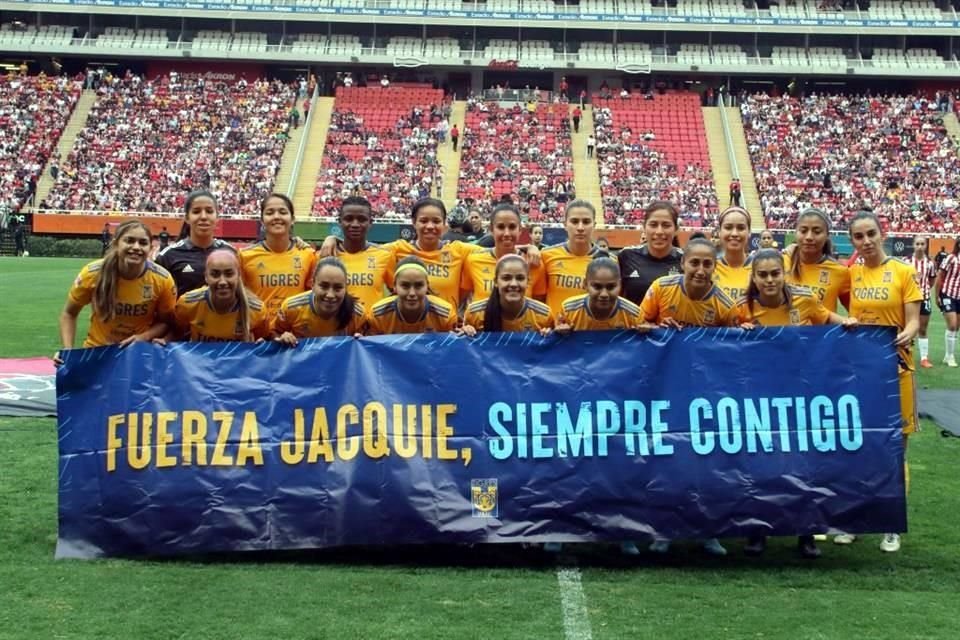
(68, 327)
(911, 313)
(158, 329)
(937, 284)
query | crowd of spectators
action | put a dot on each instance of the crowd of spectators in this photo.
(635, 170)
(520, 153)
(34, 111)
(382, 146)
(147, 143)
(891, 154)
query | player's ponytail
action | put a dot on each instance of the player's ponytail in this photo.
(243, 312)
(105, 293)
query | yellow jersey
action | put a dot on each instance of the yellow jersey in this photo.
(298, 316)
(275, 276)
(878, 295)
(667, 298)
(200, 322)
(576, 311)
(479, 276)
(733, 281)
(141, 302)
(367, 273)
(534, 317)
(828, 279)
(444, 266)
(566, 274)
(384, 318)
(804, 310)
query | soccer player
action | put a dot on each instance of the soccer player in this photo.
(660, 256)
(947, 288)
(508, 308)
(277, 268)
(186, 258)
(328, 310)
(690, 299)
(132, 298)
(810, 262)
(772, 302)
(566, 264)
(368, 265)
(885, 292)
(766, 240)
(601, 308)
(478, 277)
(733, 268)
(413, 309)
(222, 311)
(926, 276)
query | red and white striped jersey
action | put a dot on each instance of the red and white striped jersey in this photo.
(926, 272)
(951, 276)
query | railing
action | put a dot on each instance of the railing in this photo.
(295, 171)
(731, 154)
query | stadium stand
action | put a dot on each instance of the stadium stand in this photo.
(841, 153)
(147, 143)
(654, 149)
(519, 152)
(382, 144)
(33, 113)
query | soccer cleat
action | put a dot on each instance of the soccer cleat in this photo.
(890, 543)
(926, 364)
(820, 537)
(844, 538)
(660, 546)
(808, 548)
(553, 547)
(951, 361)
(629, 548)
(755, 546)
(714, 548)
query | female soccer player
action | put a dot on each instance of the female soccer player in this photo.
(772, 302)
(328, 310)
(947, 288)
(733, 269)
(926, 276)
(186, 258)
(508, 308)
(477, 280)
(690, 299)
(368, 265)
(660, 256)
(277, 267)
(413, 309)
(222, 311)
(810, 262)
(601, 307)
(133, 299)
(566, 264)
(885, 292)
(766, 240)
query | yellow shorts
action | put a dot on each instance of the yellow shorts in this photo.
(908, 402)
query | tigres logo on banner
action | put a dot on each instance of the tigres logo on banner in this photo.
(483, 493)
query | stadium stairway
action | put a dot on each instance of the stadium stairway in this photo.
(449, 159)
(953, 127)
(586, 171)
(76, 122)
(719, 158)
(748, 184)
(305, 182)
(284, 181)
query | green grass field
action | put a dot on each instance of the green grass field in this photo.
(452, 593)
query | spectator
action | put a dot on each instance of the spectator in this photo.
(104, 238)
(19, 238)
(591, 145)
(735, 192)
(455, 136)
(294, 116)
(384, 81)
(577, 114)
(164, 238)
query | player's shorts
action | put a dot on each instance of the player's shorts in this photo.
(908, 402)
(926, 308)
(949, 305)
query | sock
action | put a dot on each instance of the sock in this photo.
(951, 343)
(924, 347)
(906, 476)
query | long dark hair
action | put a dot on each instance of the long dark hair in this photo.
(493, 312)
(193, 195)
(827, 246)
(664, 205)
(348, 305)
(753, 291)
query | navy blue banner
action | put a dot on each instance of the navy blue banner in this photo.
(504, 438)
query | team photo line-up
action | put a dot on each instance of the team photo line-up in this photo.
(202, 289)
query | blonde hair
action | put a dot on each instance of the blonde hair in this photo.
(243, 296)
(105, 293)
